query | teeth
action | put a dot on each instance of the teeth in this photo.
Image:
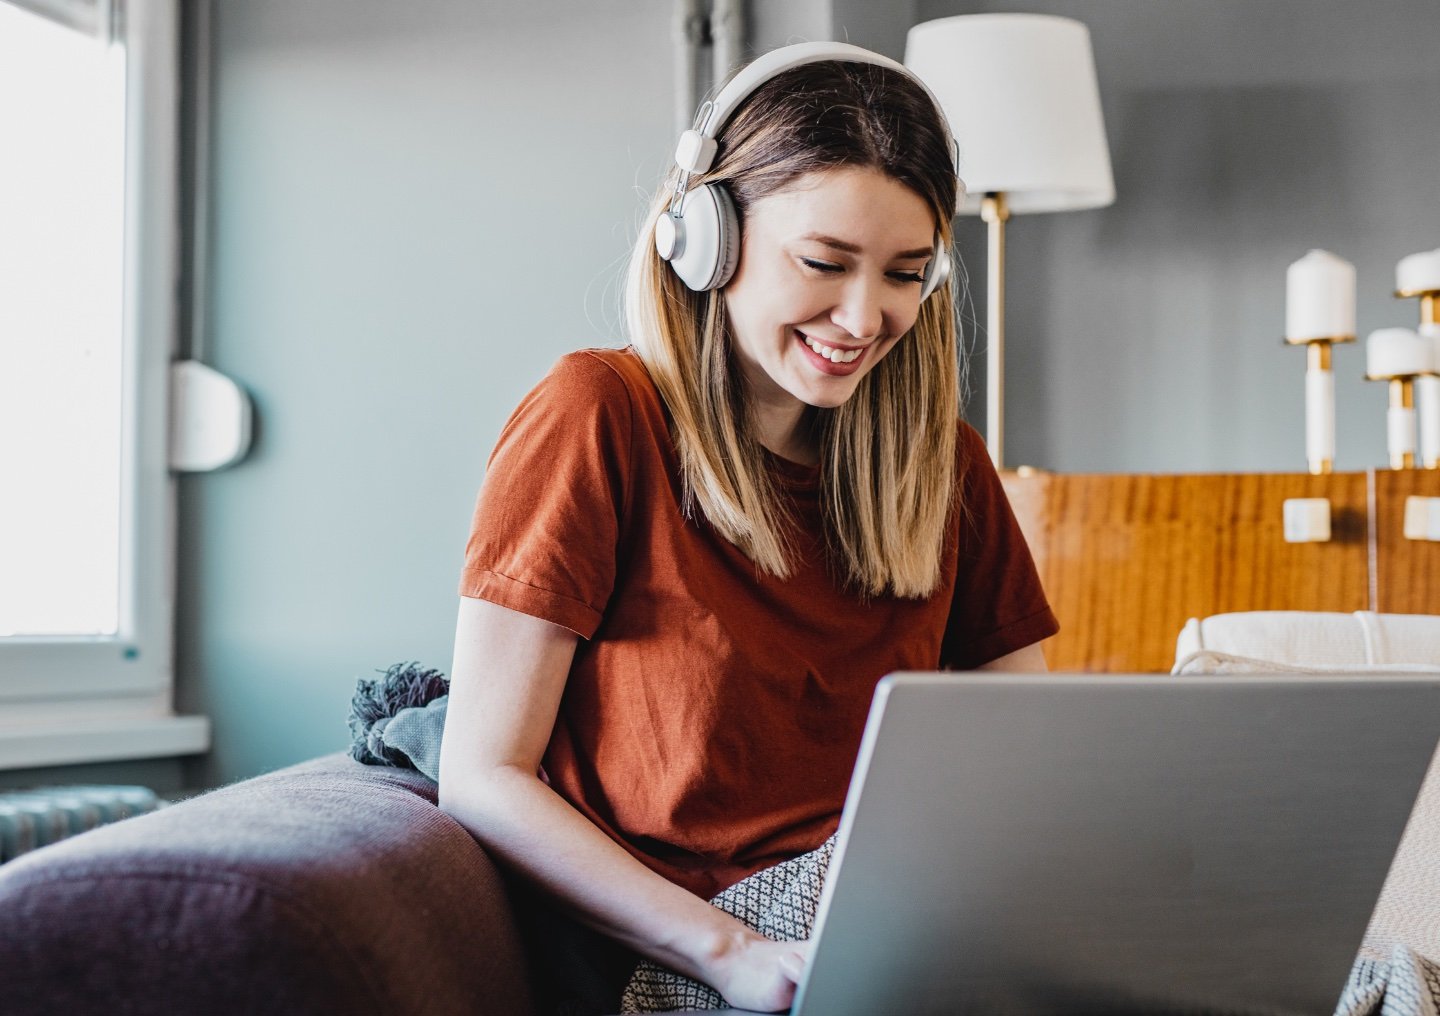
(832, 354)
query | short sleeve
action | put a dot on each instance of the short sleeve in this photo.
(998, 604)
(547, 520)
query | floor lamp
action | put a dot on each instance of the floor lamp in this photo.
(1023, 101)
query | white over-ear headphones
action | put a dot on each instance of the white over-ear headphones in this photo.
(700, 233)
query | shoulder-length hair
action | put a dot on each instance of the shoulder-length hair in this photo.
(888, 454)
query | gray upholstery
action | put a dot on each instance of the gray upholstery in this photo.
(328, 887)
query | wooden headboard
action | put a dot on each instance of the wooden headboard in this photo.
(1127, 559)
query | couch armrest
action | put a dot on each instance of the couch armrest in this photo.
(327, 887)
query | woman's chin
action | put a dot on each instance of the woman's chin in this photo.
(830, 396)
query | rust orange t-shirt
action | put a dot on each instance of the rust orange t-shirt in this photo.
(712, 716)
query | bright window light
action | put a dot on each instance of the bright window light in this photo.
(62, 129)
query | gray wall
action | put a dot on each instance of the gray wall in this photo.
(1146, 336)
(416, 209)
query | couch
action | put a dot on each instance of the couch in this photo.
(328, 887)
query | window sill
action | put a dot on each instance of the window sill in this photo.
(102, 739)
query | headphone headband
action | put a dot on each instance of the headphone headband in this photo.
(777, 61)
(699, 234)
(696, 151)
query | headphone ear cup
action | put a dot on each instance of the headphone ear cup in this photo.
(708, 249)
(729, 236)
(939, 271)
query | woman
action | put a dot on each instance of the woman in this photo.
(693, 559)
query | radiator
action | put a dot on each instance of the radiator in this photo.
(34, 818)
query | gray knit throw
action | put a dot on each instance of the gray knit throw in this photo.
(397, 719)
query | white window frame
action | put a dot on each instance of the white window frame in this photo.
(97, 698)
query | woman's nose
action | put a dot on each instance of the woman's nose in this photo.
(861, 310)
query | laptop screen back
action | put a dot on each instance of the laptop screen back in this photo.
(1072, 844)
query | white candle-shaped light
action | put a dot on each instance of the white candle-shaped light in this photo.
(1319, 409)
(1396, 352)
(1398, 356)
(1418, 273)
(1319, 298)
(1400, 425)
(1319, 310)
(1427, 395)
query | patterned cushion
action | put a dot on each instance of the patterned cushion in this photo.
(779, 902)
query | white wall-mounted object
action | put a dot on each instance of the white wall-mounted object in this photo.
(1307, 520)
(1422, 518)
(210, 419)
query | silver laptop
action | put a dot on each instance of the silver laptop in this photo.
(1017, 844)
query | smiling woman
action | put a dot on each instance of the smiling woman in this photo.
(693, 560)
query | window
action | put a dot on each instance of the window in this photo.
(88, 268)
(62, 263)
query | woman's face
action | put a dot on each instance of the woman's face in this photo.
(829, 279)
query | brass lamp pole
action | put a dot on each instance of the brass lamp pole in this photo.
(995, 210)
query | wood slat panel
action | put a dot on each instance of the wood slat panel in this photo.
(1126, 560)
(1407, 576)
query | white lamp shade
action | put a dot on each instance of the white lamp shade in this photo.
(1419, 273)
(1024, 104)
(1397, 352)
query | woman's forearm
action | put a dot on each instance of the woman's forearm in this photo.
(532, 830)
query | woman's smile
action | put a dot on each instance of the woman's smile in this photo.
(836, 360)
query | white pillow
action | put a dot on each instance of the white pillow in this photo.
(1207, 661)
(1314, 641)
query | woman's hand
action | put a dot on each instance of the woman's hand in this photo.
(753, 972)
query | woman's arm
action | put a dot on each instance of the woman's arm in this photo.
(1029, 660)
(505, 686)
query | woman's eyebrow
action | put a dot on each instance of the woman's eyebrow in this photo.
(850, 248)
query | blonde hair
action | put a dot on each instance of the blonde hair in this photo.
(888, 454)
